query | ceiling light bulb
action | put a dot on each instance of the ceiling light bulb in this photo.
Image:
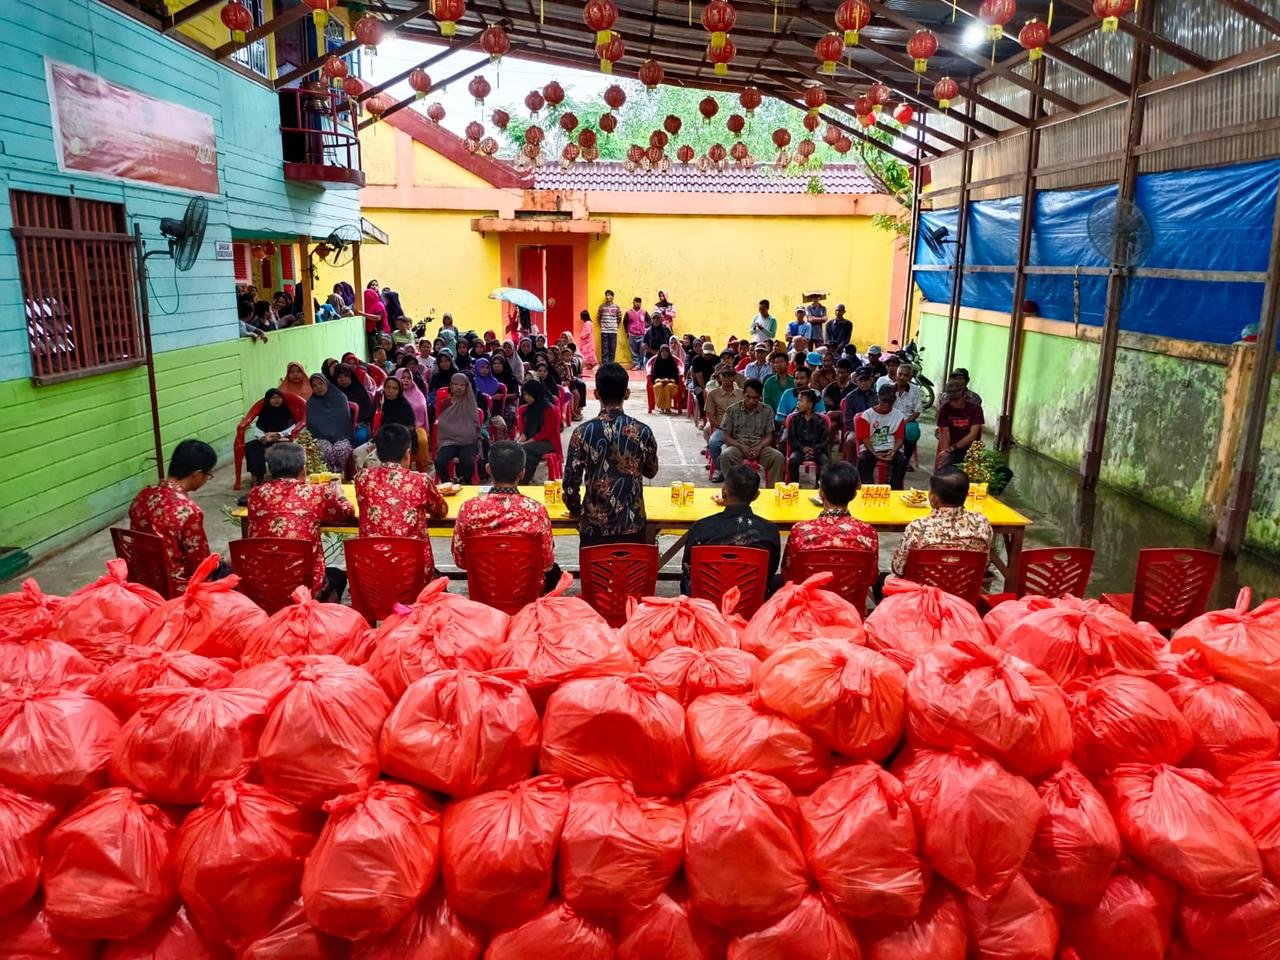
(974, 34)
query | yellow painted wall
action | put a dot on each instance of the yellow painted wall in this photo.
(433, 170)
(378, 154)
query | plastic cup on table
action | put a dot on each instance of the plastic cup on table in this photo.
(677, 492)
(686, 494)
(779, 492)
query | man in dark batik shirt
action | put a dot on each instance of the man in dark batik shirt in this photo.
(736, 525)
(611, 455)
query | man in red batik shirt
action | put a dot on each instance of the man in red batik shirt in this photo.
(167, 510)
(834, 527)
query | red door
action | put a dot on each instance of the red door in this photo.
(559, 298)
(533, 277)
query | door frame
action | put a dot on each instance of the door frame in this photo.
(509, 267)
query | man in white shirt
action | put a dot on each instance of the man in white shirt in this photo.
(908, 403)
(891, 363)
(881, 432)
(764, 326)
(759, 368)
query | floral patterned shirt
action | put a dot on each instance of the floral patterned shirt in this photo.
(395, 502)
(168, 511)
(947, 528)
(610, 456)
(505, 510)
(833, 527)
(297, 509)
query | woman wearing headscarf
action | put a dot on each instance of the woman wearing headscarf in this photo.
(458, 430)
(525, 352)
(503, 373)
(295, 381)
(414, 393)
(539, 426)
(328, 367)
(396, 408)
(443, 376)
(486, 383)
(275, 423)
(375, 311)
(665, 372)
(562, 361)
(391, 300)
(463, 360)
(329, 423)
(358, 368)
(678, 349)
(345, 379)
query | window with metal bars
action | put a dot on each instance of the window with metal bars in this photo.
(77, 268)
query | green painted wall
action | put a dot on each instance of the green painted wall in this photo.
(79, 451)
(1264, 521)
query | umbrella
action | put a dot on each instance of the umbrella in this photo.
(520, 298)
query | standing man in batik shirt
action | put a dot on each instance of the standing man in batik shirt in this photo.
(394, 501)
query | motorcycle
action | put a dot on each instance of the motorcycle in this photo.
(911, 353)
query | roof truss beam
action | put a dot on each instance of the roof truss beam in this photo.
(399, 20)
(278, 22)
(1142, 35)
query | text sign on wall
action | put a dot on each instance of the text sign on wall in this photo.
(106, 130)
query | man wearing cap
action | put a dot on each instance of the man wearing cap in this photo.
(862, 397)
(891, 371)
(720, 399)
(839, 328)
(878, 368)
(959, 424)
(759, 368)
(881, 432)
(970, 397)
(764, 325)
(702, 375)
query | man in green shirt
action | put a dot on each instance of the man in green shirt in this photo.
(764, 325)
(777, 382)
(747, 432)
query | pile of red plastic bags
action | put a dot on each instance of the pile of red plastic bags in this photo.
(192, 779)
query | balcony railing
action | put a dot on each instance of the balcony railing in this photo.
(318, 134)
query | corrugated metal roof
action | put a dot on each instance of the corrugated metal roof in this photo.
(842, 178)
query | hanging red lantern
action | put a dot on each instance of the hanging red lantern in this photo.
(590, 154)
(722, 57)
(448, 13)
(650, 74)
(708, 107)
(995, 14)
(500, 119)
(844, 145)
(534, 134)
(335, 68)
(475, 130)
(922, 45)
(654, 155)
(379, 104)
(635, 153)
(811, 122)
(717, 154)
(805, 148)
(718, 18)
(531, 151)
(237, 18)
(533, 102)
(750, 98)
(368, 31)
(685, 154)
(600, 16)
(1110, 11)
(903, 113)
(435, 112)
(495, 42)
(319, 13)
(569, 122)
(944, 91)
(420, 82)
(862, 106)
(553, 93)
(781, 138)
(607, 122)
(672, 124)
(1033, 36)
(353, 87)
(736, 123)
(615, 97)
(659, 139)
(739, 151)
(879, 95)
(569, 153)
(479, 89)
(586, 138)
(831, 136)
(829, 49)
(488, 146)
(815, 98)
(852, 16)
(867, 120)
(610, 53)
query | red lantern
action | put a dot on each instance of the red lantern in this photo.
(421, 83)
(533, 102)
(495, 42)
(879, 95)
(379, 104)
(922, 45)
(718, 18)
(530, 150)
(600, 16)
(368, 30)
(815, 98)
(903, 113)
(736, 123)
(805, 148)
(590, 154)
(650, 74)
(708, 107)
(586, 138)
(449, 12)
(569, 122)
(335, 68)
(353, 87)
(831, 136)
(500, 119)
(811, 122)
(1033, 36)
(944, 91)
(435, 112)
(672, 124)
(739, 151)
(829, 49)
(553, 93)
(685, 154)
(237, 18)
(867, 120)
(781, 138)
(607, 122)
(569, 153)
(534, 134)
(717, 153)
(659, 139)
(852, 16)
(475, 130)
(610, 53)
(654, 155)
(722, 57)
(479, 89)
(615, 97)
(488, 146)
(995, 14)
(1111, 11)
(635, 153)
(320, 13)
(750, 98)
(862, 106)
(844, 145)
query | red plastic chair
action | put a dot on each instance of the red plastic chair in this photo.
(504, 571)
(1172, 586)
(786, 451)
(475, 470)
(271, 568)
(958, 572)
(566, 407)
(681, 391)
(297, 406)
(855, 571)
(714, 569)
(612, 573)
(1047, 572)
(384, 571)
(148, 564)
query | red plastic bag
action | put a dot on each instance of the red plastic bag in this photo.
(26, 935)
(1125, 719)
(1004, 615)
(101, 618)
(29, 607)
(1080, 638)
(1229, 728)
(621, 727)
(1013, 925)
(431, 931)
(914, 619)
(1242, 646)
(121, 685)
(1170, 820)
(1076, 845)
(729, 733)
(860, 842)
(970, 694)
(618, 851)
(687, 673)
(1252, 794)
(743, 860)
(460, 733)
(376, 857)
(557, 932)
(306, 626)
(294, 938)
(34, 658)
(238, 861)
(185, 739)
(172, 937)
(658, 624)
(1243, 928)
(812, 931)
(275, 677)
(321, 737)
(54, 744)
(976, 819)
(937, 932)
(211, 618)
(555, 639)
(801, 611)
(441, 631)
(106, 867)
(668, 930)
(24, 822)
(498, 850)
(850, 696)
(1132, 920)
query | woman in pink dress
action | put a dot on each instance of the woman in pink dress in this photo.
(587, 342)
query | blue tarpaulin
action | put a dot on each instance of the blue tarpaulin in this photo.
(1212, 219)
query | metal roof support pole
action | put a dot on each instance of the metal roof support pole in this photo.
(1091, 463)
(962, 231)
(913, 236)
(1026, 225)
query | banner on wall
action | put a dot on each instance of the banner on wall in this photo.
(104, 129)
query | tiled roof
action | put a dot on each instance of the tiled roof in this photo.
(837, 178)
